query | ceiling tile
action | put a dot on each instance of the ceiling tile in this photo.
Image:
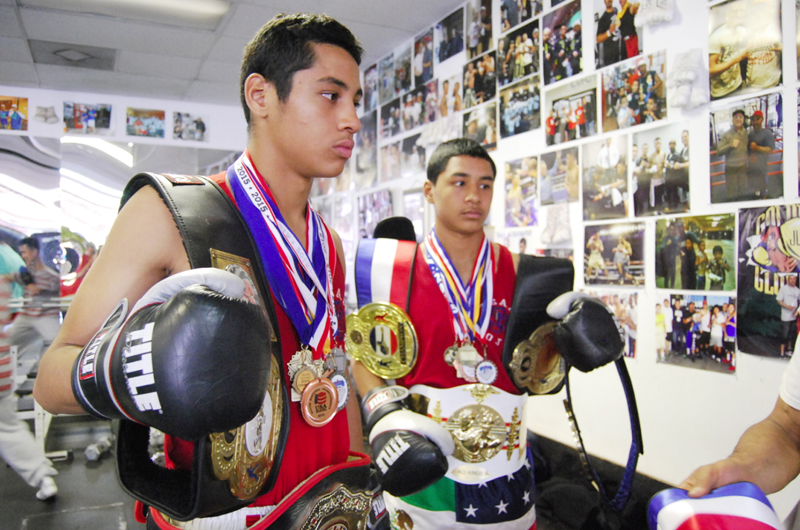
(15, 50)
(154, 65)
(214, 71)
(229, 49)
(247, 20)
(226, 93)
(105, 82)
(9, 23)
(13, 73)
(111, 33)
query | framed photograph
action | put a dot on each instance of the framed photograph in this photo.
(413, 108)
(14, 113)
(625, 307)
(391, 119)
(614, 254)
(744, 47)
(86, 118)
(431, 102)
(767, 280)
(697, 331)
(605, 179)
(448, 35)
(423, 58)
(696, 253)
(386, 79)
(747, 150)
(660, 170)
(480, 124)
(616, 36)
(520, 108)
(634, 92)
(518, 53)
(480, 80)
(514, 12)
(188, 127)
(521, 181)
(371, 88)
(559, 176)
(571, 111)
(450, 96)
(366, 151)
(562, 44)
(390, 162)
(402, 71)
(145, 122)
(479, 27)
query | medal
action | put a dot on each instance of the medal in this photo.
(536, 363)
(486, 372)
(319, 402)
(382, 337)
(467, 358)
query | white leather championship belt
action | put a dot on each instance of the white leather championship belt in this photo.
(487, 425)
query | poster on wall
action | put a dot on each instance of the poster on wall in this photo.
(412, 157)
(625, 307)
(514, 12)
(13, 113)
(634, 92)
(769, 250)
(414, 210)
(746, 151)
(451, 97)
(744, 47)
(562, 45)
(431, 112)
(480, 80)
(391, 119)
(697, 331)
(559, 178)
(413, 109)
(386, 79)
(516, 240)
(85, 118)
(521, 177)
(614, 254)
(571, 111)
(660, 170)
(371, 88)
(185, 126)
(390, 162)
(605, 179)
(423, 58)
(366, 151)
(616, 36)
(480, 124)
(557, 227)
(696, 253)
(479, 27)
(144, 122)
(520, 107)
(518, 54)
(372, 209)
(402, 70)
(448, 35)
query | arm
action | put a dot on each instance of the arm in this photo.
(768, 455)
(143, 247)
(715, 67)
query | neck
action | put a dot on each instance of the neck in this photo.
(462, 249)
(290, 190)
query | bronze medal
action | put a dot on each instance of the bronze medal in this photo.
(319, 402)
(537, 365)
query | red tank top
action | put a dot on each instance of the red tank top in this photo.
(308, 449)
(430, 313)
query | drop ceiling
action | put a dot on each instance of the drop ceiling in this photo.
(149, 50)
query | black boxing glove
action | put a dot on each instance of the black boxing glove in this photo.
(191, 358)
(588, 335)
(409, 449)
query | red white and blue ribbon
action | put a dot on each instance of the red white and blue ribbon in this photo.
(471, 304)
(741, 506)
(300, 278)
(383, 271)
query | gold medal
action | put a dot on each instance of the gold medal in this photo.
(319, 402)
(303, 377)
(382, 337)
(537, 365)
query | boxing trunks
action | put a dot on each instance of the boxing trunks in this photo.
(286, 485)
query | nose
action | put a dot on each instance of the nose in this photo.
(349, 120)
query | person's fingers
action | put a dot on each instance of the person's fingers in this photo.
(701, 482)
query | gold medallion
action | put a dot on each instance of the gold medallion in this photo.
(303, 377)
(537, 365)
(382, 337)
(478, 431)
(320, 402)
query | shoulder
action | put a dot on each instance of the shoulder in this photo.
(502, 253)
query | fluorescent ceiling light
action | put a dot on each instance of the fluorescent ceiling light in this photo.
(91, 184)
(108, 148)
(197, 14)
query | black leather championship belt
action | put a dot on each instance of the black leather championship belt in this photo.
(229, 469)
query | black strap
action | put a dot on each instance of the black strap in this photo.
(637, 446)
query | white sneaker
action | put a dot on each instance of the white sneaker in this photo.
(47, 489)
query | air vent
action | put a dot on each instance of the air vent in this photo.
(62, 54)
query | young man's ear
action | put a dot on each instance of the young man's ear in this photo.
(259, 95)
(427, 190)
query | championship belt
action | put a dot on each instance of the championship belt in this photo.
(530, 354)
(229, 469)
(487, 425)
(381, 335)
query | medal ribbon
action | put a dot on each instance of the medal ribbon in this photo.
(470, 305)
(300, 279)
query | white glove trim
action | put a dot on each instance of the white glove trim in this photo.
(559, 307)
(405, 420)
(218, 280)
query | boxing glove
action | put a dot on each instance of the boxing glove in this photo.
(588, 335)
(191, 358)
(409, 449)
